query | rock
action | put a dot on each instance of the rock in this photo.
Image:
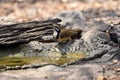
(50, 72)
(115, 32)
(19, 33)
(35, 48)
(95, 37)
(72, 20)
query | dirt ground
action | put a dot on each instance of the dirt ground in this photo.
(29, 10)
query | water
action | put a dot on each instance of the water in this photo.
(19, 61)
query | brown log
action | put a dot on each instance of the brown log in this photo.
(25, 32)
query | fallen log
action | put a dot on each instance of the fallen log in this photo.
(19, 33)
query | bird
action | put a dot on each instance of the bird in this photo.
(63, 35)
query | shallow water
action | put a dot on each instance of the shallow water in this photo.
(19, 61)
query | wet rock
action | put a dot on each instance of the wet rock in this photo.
(36, 48)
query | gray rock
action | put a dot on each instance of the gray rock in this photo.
(72, 20)
(95, 37)
(50, 72)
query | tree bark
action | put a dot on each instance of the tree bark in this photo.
(20, 33)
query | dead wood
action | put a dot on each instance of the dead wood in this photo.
(25, 32)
